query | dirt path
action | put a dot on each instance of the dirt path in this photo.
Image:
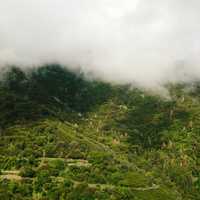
(11, 175)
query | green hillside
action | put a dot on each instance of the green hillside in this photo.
(63, 137)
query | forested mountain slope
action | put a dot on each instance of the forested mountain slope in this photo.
(63, 137)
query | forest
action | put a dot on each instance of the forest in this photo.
(66, 137)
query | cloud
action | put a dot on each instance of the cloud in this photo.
(131, 41)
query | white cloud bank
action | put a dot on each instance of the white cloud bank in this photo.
(143, 41)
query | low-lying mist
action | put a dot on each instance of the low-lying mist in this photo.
(142, 42)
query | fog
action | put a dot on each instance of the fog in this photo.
(143, 42)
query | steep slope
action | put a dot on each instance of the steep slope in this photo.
(69, 138)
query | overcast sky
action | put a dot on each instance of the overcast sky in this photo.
(143, 41)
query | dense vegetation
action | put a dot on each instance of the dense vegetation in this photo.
(63, 137)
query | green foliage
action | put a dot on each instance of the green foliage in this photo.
(47, 91)
(63, 137)
(42, 180)
(28, 172)
(102, 158)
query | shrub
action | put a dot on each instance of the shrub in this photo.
(28, 172)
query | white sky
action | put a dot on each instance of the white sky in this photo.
(143, 41)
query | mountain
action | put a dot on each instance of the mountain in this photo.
(65, 137)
